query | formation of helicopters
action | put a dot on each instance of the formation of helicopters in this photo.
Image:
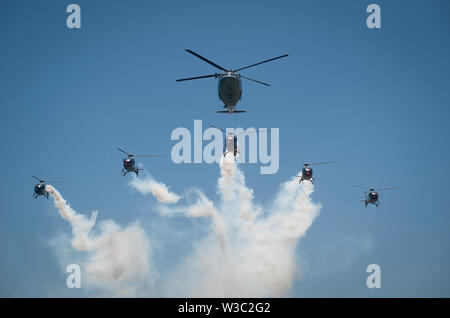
(129, 165)
(230, 92)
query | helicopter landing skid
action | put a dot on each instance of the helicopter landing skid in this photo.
(232, 112)
(310, 180)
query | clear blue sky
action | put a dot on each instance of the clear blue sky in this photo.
(377, 101)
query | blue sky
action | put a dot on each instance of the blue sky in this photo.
(376, 101)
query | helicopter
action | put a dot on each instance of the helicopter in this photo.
(231, 144)
(372, 195)
(130, 164)
(40, 188)
(307, 172)
(230, 85)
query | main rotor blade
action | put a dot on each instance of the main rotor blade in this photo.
(309, 164)
(217, 128)
(321, 163)
(256, 131)
(149, 156)
(206, 60)
(289, 162)
(52, 181)
(357, 186)
(275, 58)
(124, 151)
(383, 189)
(197, 77)
(251, 79)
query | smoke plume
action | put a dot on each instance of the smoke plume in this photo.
(117, 260)
(157, 189)
(249, 250)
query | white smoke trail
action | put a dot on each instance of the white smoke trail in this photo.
(157, 189)
(257, 254)
(204, 208)
(118, 259)
(261, 252)
(250, 251)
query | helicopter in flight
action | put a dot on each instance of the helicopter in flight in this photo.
(230, 85)
(231, 143)
(372, 195)
(130, 164)
(307, 172)
(40, 188)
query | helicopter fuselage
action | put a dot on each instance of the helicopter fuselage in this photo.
(230, 86)
(230, 145)
(230, 90)
(129, 165)
(39, 189)
(372, 197)
(307, 174)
